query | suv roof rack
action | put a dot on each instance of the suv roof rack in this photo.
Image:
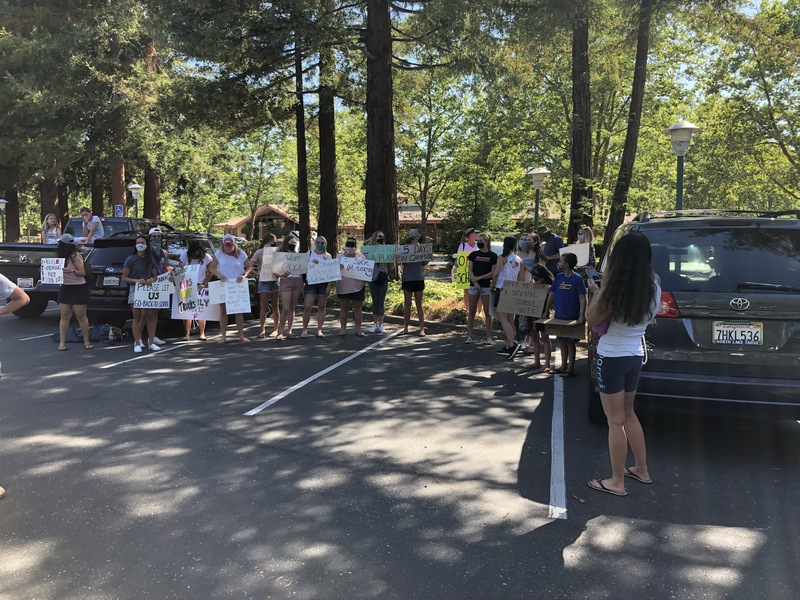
(644, 217)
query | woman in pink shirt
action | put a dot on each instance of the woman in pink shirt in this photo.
(350, 290)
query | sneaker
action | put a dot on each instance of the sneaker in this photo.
(374, 328)
(154, 348)
(488, 342)
(469, 340)
(504, 351)
(137, 348)
(381, 329)
(159, 341)
(514, 351)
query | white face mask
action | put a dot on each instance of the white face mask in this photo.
(141, 247)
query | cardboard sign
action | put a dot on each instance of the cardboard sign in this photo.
(293, 263)
(462, 271)
(520, 298)
(410, 253)
(237, 297)
(52, 270)
(323, 271)
(185, 279)
(357, 268)
(579, 250)
(380, 254)
(155, 295)
(202, 310)
(563, 328)
(267, 258)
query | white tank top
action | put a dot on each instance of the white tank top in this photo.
(510, 270)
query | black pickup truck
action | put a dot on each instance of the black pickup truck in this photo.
(21, 263)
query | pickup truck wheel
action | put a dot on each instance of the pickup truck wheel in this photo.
(594, 408)
(34, 308)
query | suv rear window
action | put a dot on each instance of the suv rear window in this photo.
(719, 260)
(108, 257)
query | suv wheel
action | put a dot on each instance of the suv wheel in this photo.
(34, 308)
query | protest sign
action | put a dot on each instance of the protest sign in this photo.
(357, 268)
(237, 296)
(564, 328)
(581, 251)
(520, 298)
(293, 263)
(267, 257)
(323, 271)
(462, 271)
(52, 270)
(216, 292)
(410, 253)
(380, 254)
(185, 279)
(155, 295)
(203, 310)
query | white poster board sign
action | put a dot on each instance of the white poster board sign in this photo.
(216, 292)
(155, 295)
(52, 270)
(410, 253)
(203, 310)
(265, 273)
(237, 297)
(579, 250)
(185, 279)
(357, 268)
(323, 271)
(293, 263)
(520, 298)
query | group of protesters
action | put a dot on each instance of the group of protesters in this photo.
(531, 257)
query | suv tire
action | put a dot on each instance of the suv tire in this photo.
(34, 308)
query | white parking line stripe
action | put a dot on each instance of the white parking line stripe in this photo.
(35, 337)
(558, 486)
(140, 357)
(308, 380)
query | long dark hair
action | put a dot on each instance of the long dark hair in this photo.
(195, 251)
(65, 249)
(285, 243)
(627, 286)
(148, 253)
(509, 243)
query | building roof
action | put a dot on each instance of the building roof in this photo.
(236, 222)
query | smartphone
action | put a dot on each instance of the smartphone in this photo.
(592, 273)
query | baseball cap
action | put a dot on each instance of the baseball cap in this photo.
(227, 240)
(470, 230)
(67, 238)
(155, 231)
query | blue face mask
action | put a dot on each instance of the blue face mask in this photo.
(524, 245)
(320, 246)
(581, 238)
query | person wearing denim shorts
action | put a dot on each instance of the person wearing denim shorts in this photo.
(317, 292)
(268, 290)
(481, 268)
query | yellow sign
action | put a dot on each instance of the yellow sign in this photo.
(462, 271)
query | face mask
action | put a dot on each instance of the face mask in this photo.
(320, 246)
(524, 244)
(481, 245)
(580, 238)
(274, 244)
(380, 240)
(350, 249)
(141, 247)
(292, 245)
(155, 242)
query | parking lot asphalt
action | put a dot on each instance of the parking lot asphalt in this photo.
(378, 467)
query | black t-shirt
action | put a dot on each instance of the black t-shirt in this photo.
(483, 264)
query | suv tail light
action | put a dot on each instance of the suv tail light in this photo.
(668, 308)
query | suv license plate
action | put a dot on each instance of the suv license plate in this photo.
(26, 283)
(743, 334)
(109, 281)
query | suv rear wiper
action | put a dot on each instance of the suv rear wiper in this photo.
(748, 285)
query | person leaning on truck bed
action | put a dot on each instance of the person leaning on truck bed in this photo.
(92, 226)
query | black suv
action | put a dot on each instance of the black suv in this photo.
(728, 328)
(108, 300)
(119, 225)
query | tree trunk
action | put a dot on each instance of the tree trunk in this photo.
(381, 196)
(581, 199)
(619, 202)
(303, 210)
(152, 194)
(98, 203)
(328, 221)
(12, 216)
(118, 191)
(48, 195)
(63, 203)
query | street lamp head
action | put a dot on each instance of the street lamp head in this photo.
(3, 203)
(681, 135)
(538, 175)
(135, 189)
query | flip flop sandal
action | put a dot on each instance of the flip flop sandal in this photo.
(632, 475)
(599, 487)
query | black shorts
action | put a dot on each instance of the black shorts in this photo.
(617, 373)
(73, 294)
(354, 296)
(414, 286)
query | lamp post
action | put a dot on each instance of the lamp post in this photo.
(135, 189)
(3, 203)
(538, 176)
(681, 135)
